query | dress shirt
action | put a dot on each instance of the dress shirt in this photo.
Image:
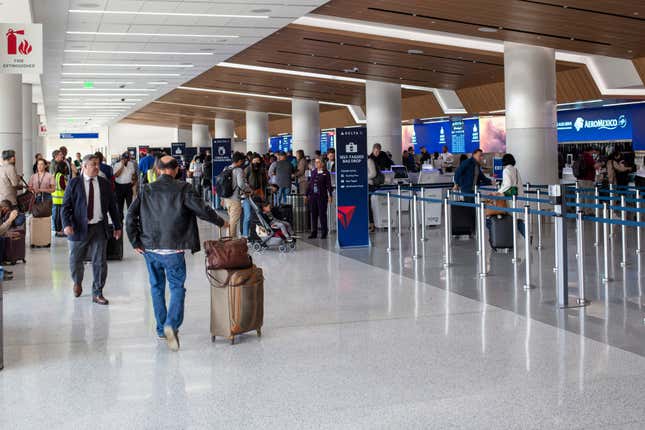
(98, 213)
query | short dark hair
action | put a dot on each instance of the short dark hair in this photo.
(99, 155)
(7, 154)
(508, 159)
(476, 151)
(171, 164)
(6, 204)
(238, 156)
(331, 151)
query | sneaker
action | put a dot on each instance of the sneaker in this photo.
(172, 337)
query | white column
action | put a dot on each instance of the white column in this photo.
(531, 117)
(35, 124)
(11, 115)
(201, 137)
(224, 128)
(27, 134)
(384, 117)
(305, 125)
(257, 132)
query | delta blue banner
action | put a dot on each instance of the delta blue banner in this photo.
(433, 135)
(471, 136)
(221, 153)
(351, 187)
(594, 125)
(178, 150)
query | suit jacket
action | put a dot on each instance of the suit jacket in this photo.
(74, 209)
(465, 176)
(323, 182)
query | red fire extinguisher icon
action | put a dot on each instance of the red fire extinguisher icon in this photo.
(12, 41)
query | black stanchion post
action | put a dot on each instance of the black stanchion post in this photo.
(558, 199)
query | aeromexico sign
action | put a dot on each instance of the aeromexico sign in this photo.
(21, 48)
(594, 125)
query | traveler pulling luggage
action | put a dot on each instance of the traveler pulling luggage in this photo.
(237, 288)
(40, 232)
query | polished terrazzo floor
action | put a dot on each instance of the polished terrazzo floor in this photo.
(346, 344)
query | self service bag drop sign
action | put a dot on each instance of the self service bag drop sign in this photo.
(351, 187)
(21, 48)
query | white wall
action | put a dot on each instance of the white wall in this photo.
(123, 134)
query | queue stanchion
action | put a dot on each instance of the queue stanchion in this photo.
(638, 220)
(483, 272)
(605, 238)
(623, 232)
(389, 223)
(558, 199)
(423, 215)
(448, 231)
(597, 212)
(580, 244)
(477, 222)
(514, 217)
(610, 216)
(527, 246)
(539, 221)
(415, 227)
(398, 217)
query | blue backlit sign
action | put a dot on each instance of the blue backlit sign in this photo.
(593, 125)
(79, 135)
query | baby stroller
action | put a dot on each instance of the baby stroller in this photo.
(262, 236)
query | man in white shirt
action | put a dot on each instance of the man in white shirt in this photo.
(87, 202)
(124, 173)
(447, 160)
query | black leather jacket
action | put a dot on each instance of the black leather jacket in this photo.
(163, 216)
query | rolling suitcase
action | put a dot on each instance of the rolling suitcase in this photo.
(501, 232)
(237, 302)
(15, 248)
(40, 232)
(115, 248)
(463, 220)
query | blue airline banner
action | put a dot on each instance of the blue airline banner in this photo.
(280, 143)
(433, 135)
(471, 136)
(593, 125)
(351, 187)
(458, 136)
(221, 155)
(498, 169)
(79, 135)
(178, 150)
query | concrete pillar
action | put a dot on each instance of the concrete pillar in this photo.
(531, 117)
(257, 132)
(27, 133)
(305, 125)
(11, 116)
(384, 117)
(224, 128)
(35, 125)
(201, 136)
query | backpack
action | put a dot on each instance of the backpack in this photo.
(224, 183)
(579, 166)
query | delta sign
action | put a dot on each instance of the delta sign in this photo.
(21, 51)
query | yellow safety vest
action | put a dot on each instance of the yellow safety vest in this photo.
(57, 196)
(152, 175)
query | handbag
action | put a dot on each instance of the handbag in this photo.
(227, 253)
(42, 207)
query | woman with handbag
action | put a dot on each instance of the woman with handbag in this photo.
(42, 185)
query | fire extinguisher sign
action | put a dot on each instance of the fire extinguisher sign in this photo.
(21, 48)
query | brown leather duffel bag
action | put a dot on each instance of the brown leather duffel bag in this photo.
(227, 253)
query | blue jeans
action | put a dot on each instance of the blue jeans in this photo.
(246, 223)
(173, 267)
(283, 192)
(57, 218)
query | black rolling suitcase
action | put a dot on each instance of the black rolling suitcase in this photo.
(463, 220)
(501, 232)
(114, 246)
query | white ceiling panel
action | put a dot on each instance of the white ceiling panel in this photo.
(58, 20)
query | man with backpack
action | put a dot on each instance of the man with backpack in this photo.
(233, 189)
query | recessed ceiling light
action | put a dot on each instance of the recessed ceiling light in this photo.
(102, 33)
(92, 51)
(205, 15)
(261, 10)
(487, 30)
(415, 51)
(118, 74)
(170, 66)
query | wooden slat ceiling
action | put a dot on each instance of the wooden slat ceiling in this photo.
(359, 55)
(604, 27)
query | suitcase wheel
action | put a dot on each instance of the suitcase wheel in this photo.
(259, 331)
(213, 339)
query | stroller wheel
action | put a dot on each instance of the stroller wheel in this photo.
(257, 246)
(283, 248)
(292, 245)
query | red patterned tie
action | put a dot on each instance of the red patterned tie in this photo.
(90, 201)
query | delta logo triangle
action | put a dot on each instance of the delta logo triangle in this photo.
(345, 215)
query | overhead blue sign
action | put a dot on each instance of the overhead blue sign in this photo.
(351, 187)
(433, 136)
(594, 125)
(79, 135)
(458, 137)
(280, 143)
(178, 150)
(471, 136)
(221, 158)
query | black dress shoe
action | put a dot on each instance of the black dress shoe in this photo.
(313, 236)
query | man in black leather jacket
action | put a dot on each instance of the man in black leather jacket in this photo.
(161, 225)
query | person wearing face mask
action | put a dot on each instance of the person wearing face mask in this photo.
(256, 176)
(319, 195)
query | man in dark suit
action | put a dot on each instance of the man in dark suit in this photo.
(87, 202)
